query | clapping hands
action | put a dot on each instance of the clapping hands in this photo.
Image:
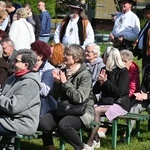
(59, 76)
(102, 76)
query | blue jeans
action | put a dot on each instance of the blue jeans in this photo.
(4, 131)
(45, 39)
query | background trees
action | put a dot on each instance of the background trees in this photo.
(54, 7)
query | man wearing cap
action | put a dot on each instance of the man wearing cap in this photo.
(142, 49)
(126, 27)
(75, 27)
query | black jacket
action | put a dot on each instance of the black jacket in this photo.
(37, 25)
(116, 86)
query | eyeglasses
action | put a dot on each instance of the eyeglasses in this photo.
(17, 61)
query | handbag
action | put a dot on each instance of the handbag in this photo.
(65, 108)
(106, 101)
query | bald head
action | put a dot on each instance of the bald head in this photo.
(41, 6)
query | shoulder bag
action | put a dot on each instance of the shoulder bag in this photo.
(65, 108)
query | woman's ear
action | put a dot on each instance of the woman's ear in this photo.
(26, 65)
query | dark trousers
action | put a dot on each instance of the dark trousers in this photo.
(4, 131)
(66, 127)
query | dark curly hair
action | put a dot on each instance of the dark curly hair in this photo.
(41, 48)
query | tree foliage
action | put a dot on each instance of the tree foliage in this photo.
(50, 5)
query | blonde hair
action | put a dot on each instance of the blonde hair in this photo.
(3, 4)
(113, 59)
(22, 12)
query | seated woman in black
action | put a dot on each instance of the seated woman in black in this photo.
(113, 83)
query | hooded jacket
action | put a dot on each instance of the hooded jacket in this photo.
(20, 103)
(95, 68)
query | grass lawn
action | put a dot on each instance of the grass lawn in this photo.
(141, 143)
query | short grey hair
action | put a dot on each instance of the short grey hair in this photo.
(29, 57)
(113, 58)
(76, 51)
(8, 41)
(126, 54)
(96, 48)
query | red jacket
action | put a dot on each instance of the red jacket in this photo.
(134, 78)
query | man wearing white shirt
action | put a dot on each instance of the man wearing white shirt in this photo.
(75, 28)
(127, 26)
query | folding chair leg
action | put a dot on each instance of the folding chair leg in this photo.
(128, 134)
(17, 144)
(114, 133)
(137, 128)
(62, 144)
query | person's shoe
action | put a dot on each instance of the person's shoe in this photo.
(87, 147)
(101, 134)
(96, 144)
(122, 140)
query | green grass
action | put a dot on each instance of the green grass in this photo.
(141, 143)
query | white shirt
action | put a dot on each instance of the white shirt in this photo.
(126, 25)
(71, 35)
(22, 34)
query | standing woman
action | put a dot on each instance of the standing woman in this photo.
(113, 83)
(21, 32)
(74, 85)
(42, 49)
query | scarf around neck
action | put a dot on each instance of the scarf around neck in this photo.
(72, 71)
(21, 72)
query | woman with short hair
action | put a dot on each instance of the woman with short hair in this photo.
(19, 98)
(42, 49)
(133, 69)
(73, 84)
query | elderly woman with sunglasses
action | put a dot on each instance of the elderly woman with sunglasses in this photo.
(19, 101)
(113, 83)
(73, 84)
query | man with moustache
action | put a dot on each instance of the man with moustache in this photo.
(75, 28)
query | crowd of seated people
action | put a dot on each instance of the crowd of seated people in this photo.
(38, 76)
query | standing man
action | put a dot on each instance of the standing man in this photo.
(126, 27)
(45, 20)
(142, 49)
(75, 28)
